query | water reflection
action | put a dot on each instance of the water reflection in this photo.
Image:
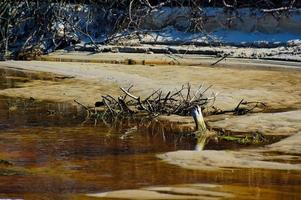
(11, 78)
(20, 112)
(57, 157)
(62, 161)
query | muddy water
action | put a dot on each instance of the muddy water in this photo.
(54, 156)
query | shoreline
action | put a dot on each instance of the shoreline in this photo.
(278, 88)
(87, 81)
(133, 58)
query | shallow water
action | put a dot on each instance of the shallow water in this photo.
(54, 156)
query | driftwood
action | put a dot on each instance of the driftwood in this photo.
(179, 102)
(182, 101)
(242, 108)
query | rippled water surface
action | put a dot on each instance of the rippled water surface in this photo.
(55, 156)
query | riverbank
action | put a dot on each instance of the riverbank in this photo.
(278, 87)
(276, 83)
(224, 56)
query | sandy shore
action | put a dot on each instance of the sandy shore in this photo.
(278, 87)
(273, 84)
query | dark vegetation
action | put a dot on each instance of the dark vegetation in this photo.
(31, 28)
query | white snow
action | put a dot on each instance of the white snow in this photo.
(238, 36)
(172, 35)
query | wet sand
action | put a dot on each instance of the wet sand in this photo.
(86, 82)
(279, 89)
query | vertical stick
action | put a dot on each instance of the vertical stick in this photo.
(198, 119)
(201, 130)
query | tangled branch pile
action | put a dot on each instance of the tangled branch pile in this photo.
(29, 28)
(179, 102)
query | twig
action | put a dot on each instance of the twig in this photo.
(129, 94)
(81, 104)
(219, 60)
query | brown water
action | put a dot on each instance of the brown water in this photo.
(54, 156)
